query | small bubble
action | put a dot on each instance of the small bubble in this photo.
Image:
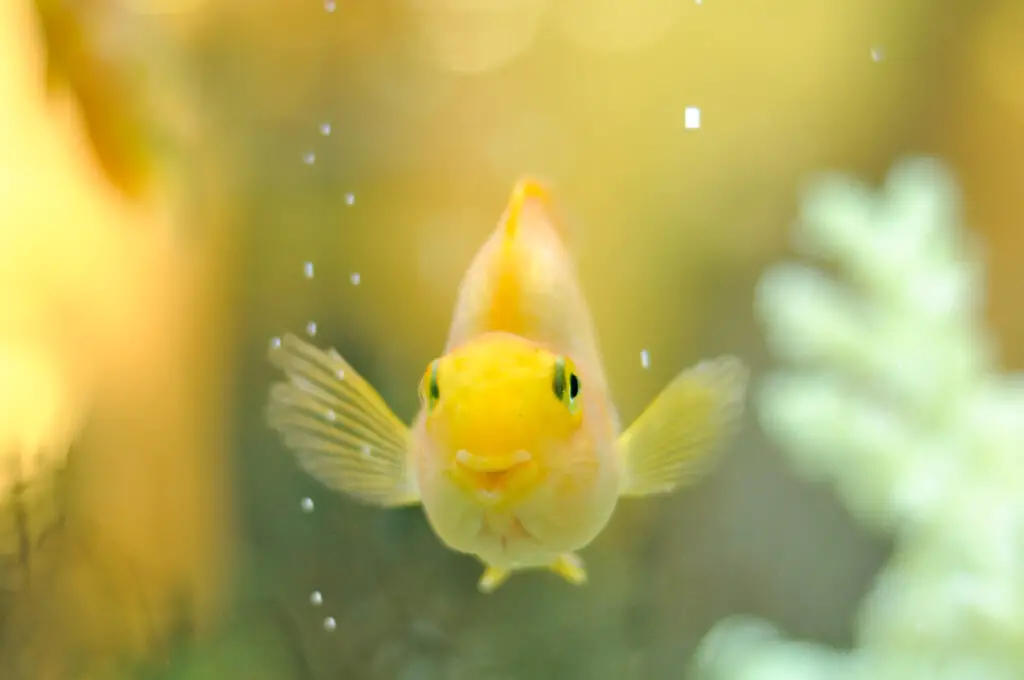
(307, 504)
(307, 269)
(330, 624)
(691, 118)
(275, 343)
(355, 278)
(645, 359)
(311, 328)
(331, 415)
(309, 158)
(877, 54)
(341, 374)
(330, 5)
(325, 129)
(367, 451)
(316, 599)
(350, 199)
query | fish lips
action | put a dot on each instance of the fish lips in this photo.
(495, 480)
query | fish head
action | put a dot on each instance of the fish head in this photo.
(498, 411)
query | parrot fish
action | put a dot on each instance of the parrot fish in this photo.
(516, 455)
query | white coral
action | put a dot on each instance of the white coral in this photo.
(892, 395)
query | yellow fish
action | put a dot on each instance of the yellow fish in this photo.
(517, 454)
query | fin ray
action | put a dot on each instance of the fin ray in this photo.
(329, 378)
(673, 441)
(341, 431)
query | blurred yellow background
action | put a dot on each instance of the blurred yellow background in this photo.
(162, 197)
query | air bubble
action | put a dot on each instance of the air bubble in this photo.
(877, 54)
(355, 278)
(340, 374)
(645, 359)
(311, 328)
(307, 270)
(275, 343)
(330, 624)
(306, 504)
(325, 129)
(309, 158)
(331, 415)
(367, 451)
(316, 599)
(350, 199)
(330, 5)
(691, 118)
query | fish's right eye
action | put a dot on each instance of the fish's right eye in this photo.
(558, 382)
(566, 384)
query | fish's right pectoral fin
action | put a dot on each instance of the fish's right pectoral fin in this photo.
(673, 440)
(340, 429)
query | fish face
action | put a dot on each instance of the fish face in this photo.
(496, 413)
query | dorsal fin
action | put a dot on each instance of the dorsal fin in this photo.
(526, 189)
(521, 280)
(506, 313)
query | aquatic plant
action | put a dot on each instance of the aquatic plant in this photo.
(39, 414)
(891, 394)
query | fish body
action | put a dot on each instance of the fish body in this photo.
(517, 454)
(492, 482)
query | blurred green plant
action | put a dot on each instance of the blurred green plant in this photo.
(892, 395)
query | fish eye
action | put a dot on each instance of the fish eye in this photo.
(566, 384)
(432, 393)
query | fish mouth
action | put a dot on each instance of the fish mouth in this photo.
(491, 463)
(494, 480)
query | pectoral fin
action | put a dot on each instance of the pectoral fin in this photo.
(674, 439)
(341, 431)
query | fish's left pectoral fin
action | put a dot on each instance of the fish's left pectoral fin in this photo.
(673, 441)
(340, 430)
